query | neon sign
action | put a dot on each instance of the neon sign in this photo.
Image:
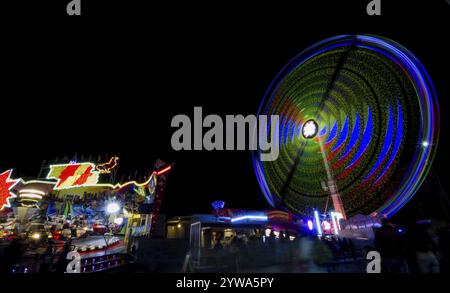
(6, 184)
(249, 218)
(73, 175)
(238, 216)
(151, 181)
(107, 167)
(86, 174)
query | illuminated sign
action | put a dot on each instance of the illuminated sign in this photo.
(150, 182)
(73, 175)
(86, 174)
(242, 215)
(107, 167)
(249, 218)
(6, 184)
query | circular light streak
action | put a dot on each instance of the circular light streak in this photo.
(377, 120)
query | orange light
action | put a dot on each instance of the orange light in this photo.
(106, 168)
(164, 170)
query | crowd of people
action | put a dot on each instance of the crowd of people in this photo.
(421, 248)
(243, 251)
(283, 251)
(417, 248)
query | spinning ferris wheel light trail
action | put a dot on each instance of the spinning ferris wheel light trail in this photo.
(359, 122)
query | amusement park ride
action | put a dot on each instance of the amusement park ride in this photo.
(359, 123)
(76, 202)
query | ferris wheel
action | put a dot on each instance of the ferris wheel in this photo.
(359, 126)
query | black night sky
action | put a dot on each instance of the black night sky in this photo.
(110, 82)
